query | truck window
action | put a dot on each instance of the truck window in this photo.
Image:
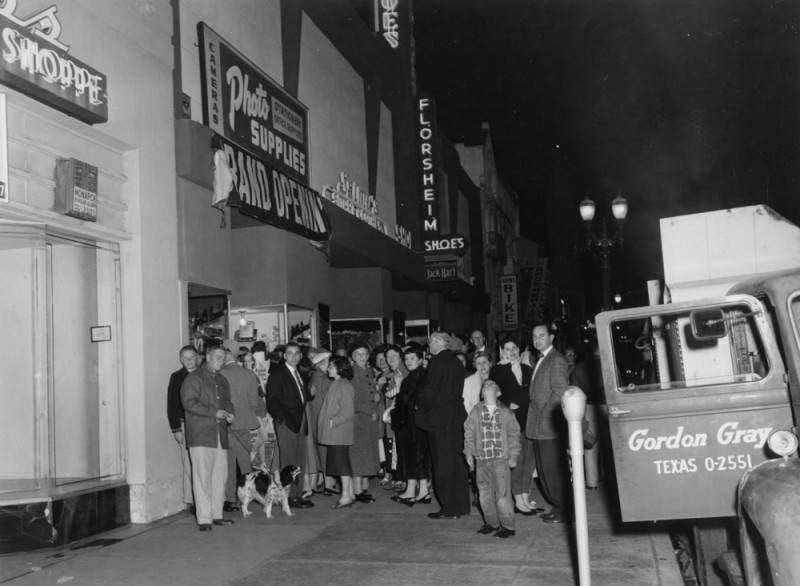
(794, 307)
(660, 353)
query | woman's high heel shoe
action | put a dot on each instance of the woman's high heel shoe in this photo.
(426, 500)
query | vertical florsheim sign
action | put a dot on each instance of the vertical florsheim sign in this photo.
(265, 135)
(35, 62)
(428, 167)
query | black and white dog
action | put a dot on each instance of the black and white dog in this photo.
(264, 488)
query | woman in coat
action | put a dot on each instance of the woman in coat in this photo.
(413, 457)
(318, 386)
(335, 427)
(366, 426)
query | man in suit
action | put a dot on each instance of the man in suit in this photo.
(441, 413)
(477, 343)
(546, 425)
(206, 399)
(286, 399)
(514, 379)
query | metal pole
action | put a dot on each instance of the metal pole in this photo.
(605, 269)
(573, 403)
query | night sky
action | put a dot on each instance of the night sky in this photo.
(680, 106)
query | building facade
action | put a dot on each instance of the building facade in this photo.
(300, 121)
(90, 258)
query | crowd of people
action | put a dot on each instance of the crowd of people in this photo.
(423, 421)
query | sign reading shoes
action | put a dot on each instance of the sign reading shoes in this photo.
(453, 244)
(35, 62)
(243, 104)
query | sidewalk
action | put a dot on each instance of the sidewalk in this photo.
(382, 543)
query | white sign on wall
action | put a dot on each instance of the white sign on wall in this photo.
(509, 302)
(388, 21)
(3, 151)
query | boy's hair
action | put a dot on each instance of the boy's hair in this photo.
(490, 383)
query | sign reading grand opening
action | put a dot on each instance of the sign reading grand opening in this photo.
(38, 64)
(269, 195)
(243, 104)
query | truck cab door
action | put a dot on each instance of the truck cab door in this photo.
(693, 390)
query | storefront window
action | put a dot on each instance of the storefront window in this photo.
(794, 307)
(346, 332)
(273, 324)
(662, 352)
(21, 357)
(61, 360)
(85, 376)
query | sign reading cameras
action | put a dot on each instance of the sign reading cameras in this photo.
(243, 104)
(38, 64)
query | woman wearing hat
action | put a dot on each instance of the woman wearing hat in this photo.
(366, 423)
(318, 386)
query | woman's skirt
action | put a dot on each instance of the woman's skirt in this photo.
(337, 461)
(312, 455)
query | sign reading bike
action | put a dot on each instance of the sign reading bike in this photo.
(243, 104)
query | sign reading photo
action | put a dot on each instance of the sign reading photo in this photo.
(243, 104)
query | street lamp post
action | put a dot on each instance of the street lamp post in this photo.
(604, 243)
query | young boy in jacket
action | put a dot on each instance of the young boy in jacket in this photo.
(491, 446)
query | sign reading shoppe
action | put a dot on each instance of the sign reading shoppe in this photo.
(35, 62)
(243, 104)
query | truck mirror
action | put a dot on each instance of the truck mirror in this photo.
(708, 324)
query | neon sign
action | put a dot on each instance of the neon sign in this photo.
(35, 62)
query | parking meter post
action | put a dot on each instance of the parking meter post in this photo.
(573, 404)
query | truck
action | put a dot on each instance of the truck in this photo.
(697, 382)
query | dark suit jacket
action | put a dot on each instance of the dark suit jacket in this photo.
(440, 404)
(512, 391)
(545, 418)
(283, 398)
(175, 413)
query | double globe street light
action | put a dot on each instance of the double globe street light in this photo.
(604, 243)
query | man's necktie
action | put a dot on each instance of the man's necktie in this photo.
(300, 386)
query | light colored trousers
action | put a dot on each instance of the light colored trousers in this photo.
(186, 462)
(493, 478)
(209, 473)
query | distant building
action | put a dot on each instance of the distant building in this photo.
(507, 256)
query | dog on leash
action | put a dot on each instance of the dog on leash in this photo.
(266, 489)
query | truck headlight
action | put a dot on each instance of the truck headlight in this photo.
(782, 442)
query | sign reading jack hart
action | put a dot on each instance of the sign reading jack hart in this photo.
(35, 62)
(269, 195)
(243, 104)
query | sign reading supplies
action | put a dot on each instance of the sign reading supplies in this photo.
(243, 104)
